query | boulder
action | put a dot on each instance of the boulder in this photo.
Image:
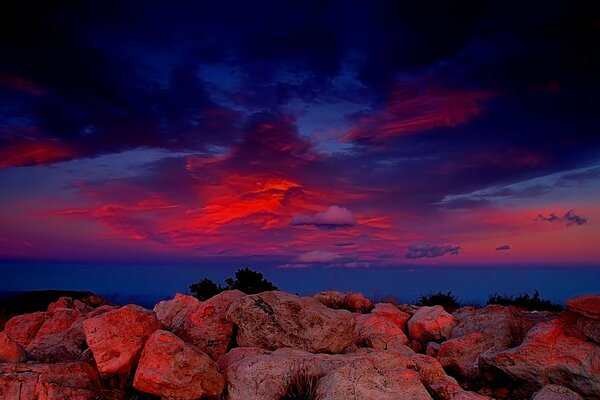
(75, 381)
(556, 392)
(366, 380)
(272, 320)
(59, 320)
(382, 329)
(430, 324)
(173, 369)
(67, 302)
(588, 306)
(589, 328)
(549, 355)
(331, 299)
(203, 324)
(356, 302)
(253, 373)
(11, 351)
(23, 328)
(116, 338)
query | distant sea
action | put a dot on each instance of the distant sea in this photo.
(146, 284)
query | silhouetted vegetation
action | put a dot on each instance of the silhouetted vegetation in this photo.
(447, 300)
(246, 281)
(525, 301)
(302, 385)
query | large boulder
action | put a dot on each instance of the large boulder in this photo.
(23, 328)
(357, 302)
(549, 355)
(556, 392)
(65, 345)
(58, 320)
(354, 302)
(430, 324)
(382, 329)
(203, 324)
(116, 338)
(272, 320)
(588, 306)
(253, 373)
(173, 369)
(490, 329)
(11, 351)
(76, 381)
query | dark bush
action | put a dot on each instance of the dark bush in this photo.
(447, 300)
(525, 301)
(205, 289)
(246, 281)
(302, 385)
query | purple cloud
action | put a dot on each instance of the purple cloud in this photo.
(569, 219)
(430, 251)
(333, 217)
(503, 248)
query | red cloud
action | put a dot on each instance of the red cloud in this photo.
(21, 84)
(34, 153)
(412, 110)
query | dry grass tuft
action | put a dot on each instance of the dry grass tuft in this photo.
(302, 385)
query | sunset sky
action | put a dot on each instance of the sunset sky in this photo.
(301, 134)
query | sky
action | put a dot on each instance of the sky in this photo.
(300, 134)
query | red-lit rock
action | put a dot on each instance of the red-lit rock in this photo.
(548, 355)
(331, 299)
(430, 324)
(203, 324)
(74, 381)
(23, 328)
(556, 392)
(173, 369)
(116, 338)
(11, 351)
(272, 320)
(588, 306)
(383, 329)
(59, 320)
(356, 302)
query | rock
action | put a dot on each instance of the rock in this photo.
(67, 345)
(23, 328)
(173, 369)
(408, 309)
(11, 351)
(260, 374)
(203, 324)
(59, 320)
(589, 327)
(588, 306)
(490, 329)
(383, 329)
(430, 324)
(331, 299)
(116, 338)
(366, 380)
(356, 302)
(272, 320)
(75, 381)
(556, 392)
(67, 302)
(548, 355)
(432, 349)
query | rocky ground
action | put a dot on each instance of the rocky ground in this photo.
(240, 347)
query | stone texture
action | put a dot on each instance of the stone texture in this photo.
(175, 370)
(272, 320)
(588, 306)
(11, 351)
(430, 324)
(260, 374)
(73, 381)
(382, 329)
(23, 328)
(331, 299)
(204, 324)
(589, 327)
(556, 392)
(549, 355)
(357, 302)
(116, 338)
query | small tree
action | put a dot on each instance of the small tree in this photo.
(447, 300)
(205, 289)
(249, 282)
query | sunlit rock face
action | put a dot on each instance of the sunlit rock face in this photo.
(556, 392)
(11, 351)
(77, 381)
(273, 320)
(116, 338)
(204, 324)
(382, 329)
(430, 324)
(173, 369)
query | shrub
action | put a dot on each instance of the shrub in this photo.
(525, 301)
(447, 300)
(302, 385)
(246, 281)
